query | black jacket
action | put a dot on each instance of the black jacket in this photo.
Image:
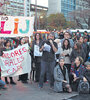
(75, 54)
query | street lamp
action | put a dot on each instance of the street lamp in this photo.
(39, 21)
(35, 15)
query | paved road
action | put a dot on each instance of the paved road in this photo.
(32, 92)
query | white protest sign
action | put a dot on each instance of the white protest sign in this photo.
(16, 62)
(36, 51)
(47, 47)
(16, 26)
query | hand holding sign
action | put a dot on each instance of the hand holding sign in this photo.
(47, 47)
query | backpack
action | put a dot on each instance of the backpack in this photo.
(83, 87)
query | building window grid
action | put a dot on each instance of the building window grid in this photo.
(17, 6)
(67, 6)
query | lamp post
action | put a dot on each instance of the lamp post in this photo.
(39, 21)
(35, 15)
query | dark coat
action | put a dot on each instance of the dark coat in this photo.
(37, 59)
(87, 75)
(75, 54)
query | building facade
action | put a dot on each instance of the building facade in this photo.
(54, 6)
(38, 12)
(38, 6)
(82, 6)
(16, 7)
(67, 6)
(61, 6)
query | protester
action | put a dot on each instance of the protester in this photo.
(67, 36)
(86, 74)
(77, 71)
(1, 52)
(66, 52)
(69, 30)
(84, 46)
(86, 34)
(43, 53)
(1, 47)
(24, 77)
(56, 34)
(61, 34)
(8, 47)
(57, 54)
(78, 34)
(61, 77)
(16, 41)
(48, 48)
(2, 85)
(88, 59)
(77, 51)
(86, 43)
(74, 37)
(37, 55)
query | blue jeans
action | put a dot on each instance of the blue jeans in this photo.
(2, 84)
(47, 67)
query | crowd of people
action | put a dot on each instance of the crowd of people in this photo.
(7, 44)
(63, 59)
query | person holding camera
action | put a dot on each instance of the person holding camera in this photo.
(49, 48)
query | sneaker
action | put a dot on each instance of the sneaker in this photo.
(13, 83)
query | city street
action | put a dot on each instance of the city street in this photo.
(44, 40)
(32, 92)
